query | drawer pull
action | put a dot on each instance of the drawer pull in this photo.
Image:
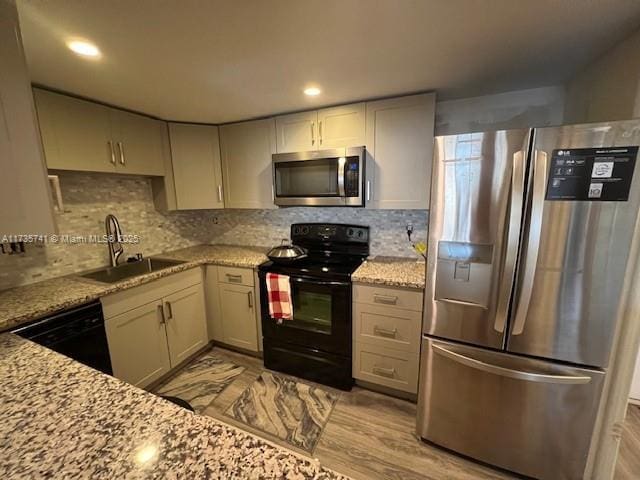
(383, 332)
(385, 299)
(384, 372)
(234, 278)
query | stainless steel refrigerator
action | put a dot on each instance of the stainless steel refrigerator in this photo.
(529, 238)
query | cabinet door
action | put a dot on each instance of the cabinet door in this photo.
(400, 148)
(138, 344)
(197, 172)
(138, 143)
(76, 134)
(24, 192)
(297, 132)
(212, 301)
(246, 150)
(238, 316)
(186, 323)
(342, 126)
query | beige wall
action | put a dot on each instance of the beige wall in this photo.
(533, 107)
(608, 88)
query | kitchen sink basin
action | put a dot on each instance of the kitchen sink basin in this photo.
(129, 270)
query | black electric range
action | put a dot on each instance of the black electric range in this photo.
(316, 343)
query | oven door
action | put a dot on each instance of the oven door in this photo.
(321, 315)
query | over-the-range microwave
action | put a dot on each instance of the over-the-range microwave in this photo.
(319, 178)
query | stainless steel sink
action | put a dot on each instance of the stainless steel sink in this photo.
(129, 270)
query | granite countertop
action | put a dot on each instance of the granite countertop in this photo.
(392, 271)
(61, 419)
(227, 255)
(22, 304)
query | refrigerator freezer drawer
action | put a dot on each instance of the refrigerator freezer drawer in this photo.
(529, 416)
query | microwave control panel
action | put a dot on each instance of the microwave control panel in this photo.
(352, 177)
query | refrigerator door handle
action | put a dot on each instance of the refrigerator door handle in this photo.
(513, 237)
(507, 372)
(539, 172)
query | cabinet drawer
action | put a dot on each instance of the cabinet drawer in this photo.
(237, 276)
(395, 297)
(385, 366)
(387, 326)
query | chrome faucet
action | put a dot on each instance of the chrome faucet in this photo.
(114, 237)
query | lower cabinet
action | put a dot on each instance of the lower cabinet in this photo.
(239, 326)
(138, 345)
(232, 306)
(387, 328)
(185, 323)
(155, 327)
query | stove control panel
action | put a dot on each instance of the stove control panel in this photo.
(330, 232)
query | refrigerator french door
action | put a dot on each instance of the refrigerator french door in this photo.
(530, 232)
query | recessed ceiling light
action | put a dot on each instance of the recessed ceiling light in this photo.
(83, 48)
(312, 91)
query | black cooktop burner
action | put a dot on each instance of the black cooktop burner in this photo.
(335, 251)
(339, 267)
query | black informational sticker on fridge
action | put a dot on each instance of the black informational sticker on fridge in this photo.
(591, 174)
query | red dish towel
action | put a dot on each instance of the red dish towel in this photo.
(279, 296)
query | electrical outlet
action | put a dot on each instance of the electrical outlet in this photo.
(409, 228)
(214, 220)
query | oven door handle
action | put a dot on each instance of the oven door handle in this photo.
(320, 282)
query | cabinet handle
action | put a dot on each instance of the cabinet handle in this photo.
(368, 190)
(161, 313)
(320, 132)
(250, 298)
(121, 149)
(384, 372)
(313, 135)
(219, 193)
(113, 152)
(385, 299)
(169, 310)
(383, 332)
(234, 278)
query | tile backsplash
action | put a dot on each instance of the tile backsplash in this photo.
(89, 197)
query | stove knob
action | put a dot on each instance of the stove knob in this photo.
(350, 232)
(296, 230)
(305, 230)
(360, 233)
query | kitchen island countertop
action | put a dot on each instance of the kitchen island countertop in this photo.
(61, 419)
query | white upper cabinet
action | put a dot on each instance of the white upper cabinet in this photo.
(297, 132)
(335, 127)
(76, 134)
(138, 142)
(246, 150)
(86, 136)
(197, 170)
(24, 191)
(342, 126)
(399, 152)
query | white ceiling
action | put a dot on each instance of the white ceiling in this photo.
(218, 61)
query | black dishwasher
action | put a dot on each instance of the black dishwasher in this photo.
(78, 333)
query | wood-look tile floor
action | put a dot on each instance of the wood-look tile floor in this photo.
(371, 436)
(628, 467)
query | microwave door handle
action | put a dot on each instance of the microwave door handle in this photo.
(513, 237)
(341, 167)
(539, 172)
